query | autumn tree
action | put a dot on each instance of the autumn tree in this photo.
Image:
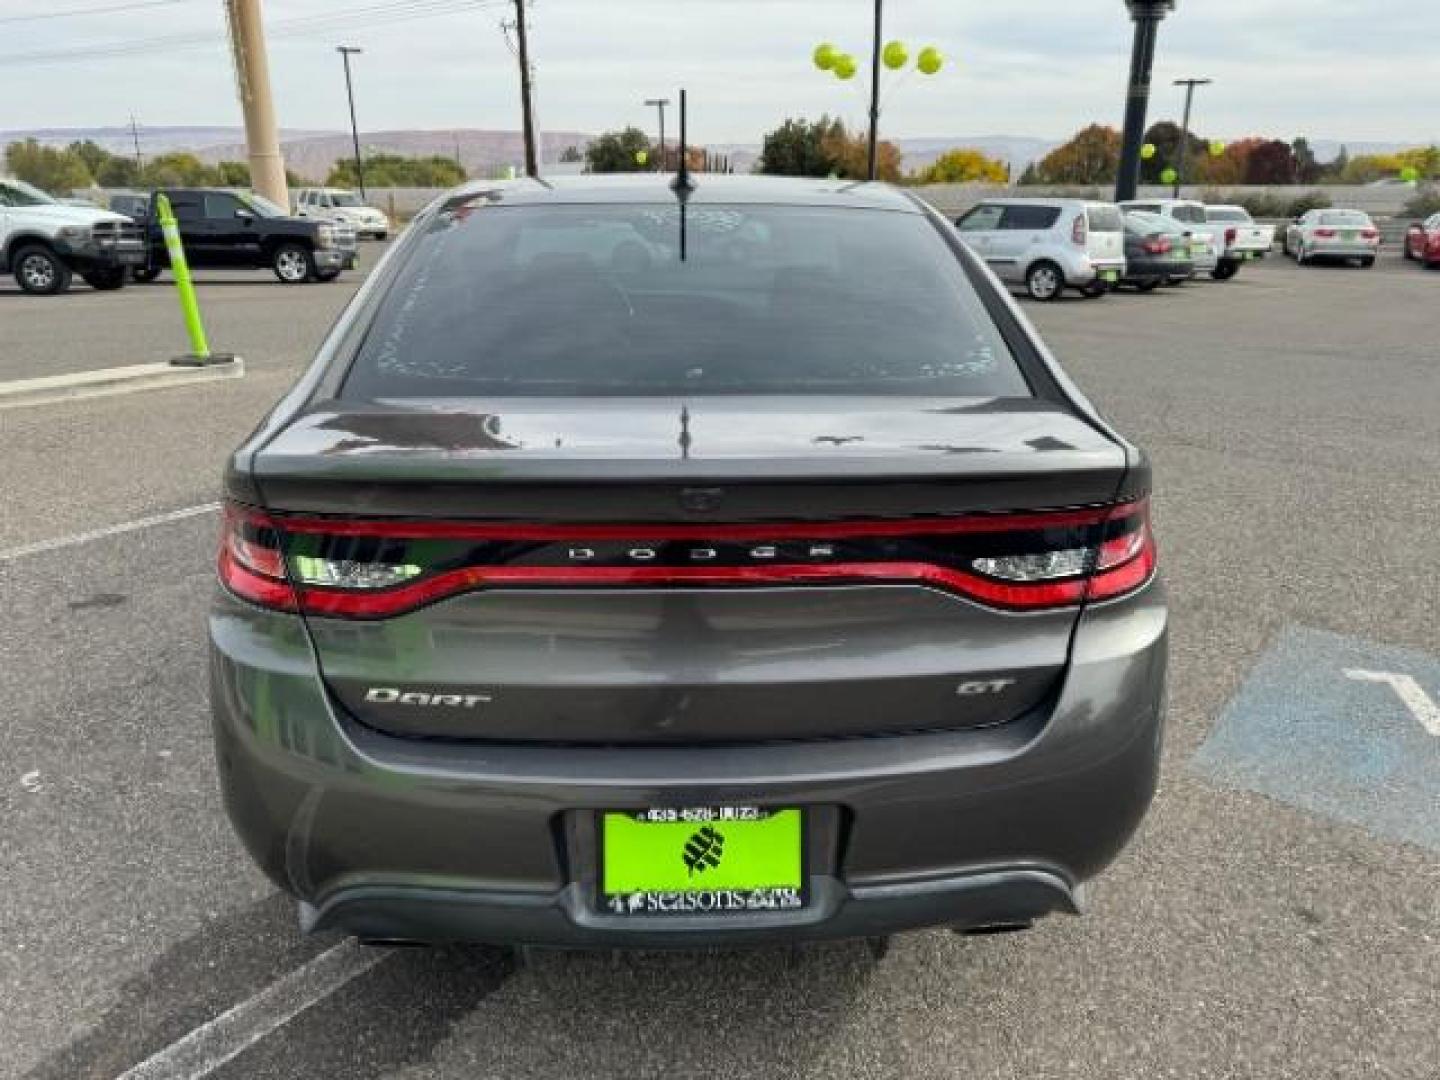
(1091, 157)
(849, 156)
(964, 167)
(1272, 162)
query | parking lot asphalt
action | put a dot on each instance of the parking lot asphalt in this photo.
(1248, 932)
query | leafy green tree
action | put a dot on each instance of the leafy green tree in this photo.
(46, 167)
(964, 167)
(233, 174)
(118, 172)
(177, 169)
(1092, 156)
(396, 170)
(798, 148)
(1307, 169)
(1030, 176)
(571, 154)
(1165, 137)
(618, 152)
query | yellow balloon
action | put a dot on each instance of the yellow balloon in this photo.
(1148, 151)
(930, 60)
(824, 56)
(895, 55)
(642, 157)
(844, 66)
(1217, 148)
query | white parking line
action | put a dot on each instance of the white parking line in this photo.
(110, 530)
(234, 1031)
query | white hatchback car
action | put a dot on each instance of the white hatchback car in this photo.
(1049, 245)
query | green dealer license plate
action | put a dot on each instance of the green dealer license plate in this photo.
(1111, 276)
(723, 860)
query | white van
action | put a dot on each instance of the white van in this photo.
(1049, 245)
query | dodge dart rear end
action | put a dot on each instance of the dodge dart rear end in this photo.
(654, 565)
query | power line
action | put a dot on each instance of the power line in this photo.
(333, 22)
(107, 9)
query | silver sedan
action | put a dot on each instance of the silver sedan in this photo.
(1333, 234)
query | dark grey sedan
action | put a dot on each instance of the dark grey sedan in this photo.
(1157, 250)
(658, 564)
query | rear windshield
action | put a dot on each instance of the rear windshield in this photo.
(656, 300)
(1191, 212)
(1227, 215)
(1105, 219)
(1030, 217)
(1351, 218)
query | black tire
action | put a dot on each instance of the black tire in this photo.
(1225, 270)
(106, 280)
(382, 236)
(39, 271)
(1367, 262)
(145, 274)
(293, 264)
(1148, 286)
(1044, 281)
(326, 275)
(1095, 290)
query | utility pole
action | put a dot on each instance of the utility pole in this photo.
(252, 77)
(345, 52)
(531, 169)
(1147, 15)
(875, 89)
(660, 103)
(1184, 151)
(135, 138)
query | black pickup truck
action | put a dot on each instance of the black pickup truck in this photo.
(224, 228)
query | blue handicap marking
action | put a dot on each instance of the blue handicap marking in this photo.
(1338, 726)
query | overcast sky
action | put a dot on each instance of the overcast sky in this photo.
(1342, 69)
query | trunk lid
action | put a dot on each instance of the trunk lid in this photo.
(650, 491)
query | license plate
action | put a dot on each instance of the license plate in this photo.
(1349, 235)
(718, 861)
(130, 258)
(1111, 276)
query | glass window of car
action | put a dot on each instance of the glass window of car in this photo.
(19, 193)
(655, 300)
(345, 198)
(1346, 219)
(1105, 218)
(1030, 217)
(984, 218)
(260, 205)
(187, 207)
(1189, 212)
(1222, 214)
(222, 205)
(1148, 208)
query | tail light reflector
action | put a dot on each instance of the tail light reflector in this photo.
(1370, 234)
(1081, 230)
(346, 568)
(1231, 235)
(1324, 234)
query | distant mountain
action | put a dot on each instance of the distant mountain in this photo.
(153, 140)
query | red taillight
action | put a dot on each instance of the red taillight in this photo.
(1081, 230)
(376, 569)
(1231, 235)
(1158, 246)
(1325, 234)
(1370, 234)
(252, 559)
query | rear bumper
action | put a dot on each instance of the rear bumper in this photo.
(403, 838)
(1158, 269)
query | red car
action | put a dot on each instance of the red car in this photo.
(1422, 241)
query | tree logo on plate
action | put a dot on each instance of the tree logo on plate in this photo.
(704, 850)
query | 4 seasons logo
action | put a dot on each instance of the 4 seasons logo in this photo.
(707, 902)
(704, 850)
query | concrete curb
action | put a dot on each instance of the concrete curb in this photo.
(106, 382)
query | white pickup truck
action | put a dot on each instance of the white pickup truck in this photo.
(44, 243)
(1244, 237)
(338, 204)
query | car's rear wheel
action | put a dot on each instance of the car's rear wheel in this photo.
(326, 275)
(293, 264)
(1095, 290)
(39, 271)
(145, 274)
(1147, 286)
(1225, 271)
(106, 280)
(1044, 281)
(1367, 262)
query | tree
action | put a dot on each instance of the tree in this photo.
(571, 154)
(1336, 169)
(1030, 176)
(618, 152)
(850, 155)
(397, 170)
(47, 167)
(233, 173)
(964, 167)
(797, 148)
(1091, 157)
(1165, 137)
(177, 169)
(117, 171)
(1272, 162)
(1307, 169)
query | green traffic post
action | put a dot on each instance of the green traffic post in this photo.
(200, 354)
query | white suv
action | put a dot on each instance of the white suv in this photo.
(338, 204)
(1049, 245)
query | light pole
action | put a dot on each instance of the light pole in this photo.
(345, 51)
(660, 103)
(1189, 85)
(1147, 15)
(875, 90)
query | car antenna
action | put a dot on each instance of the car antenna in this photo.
(682, 182)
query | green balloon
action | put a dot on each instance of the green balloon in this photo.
(1217, 148)
(845, 66)
(1410, 174)
(1148, 151)
(642, 157)
(825, 56)
(930, 60)
(1169, 176)
(895, 55)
